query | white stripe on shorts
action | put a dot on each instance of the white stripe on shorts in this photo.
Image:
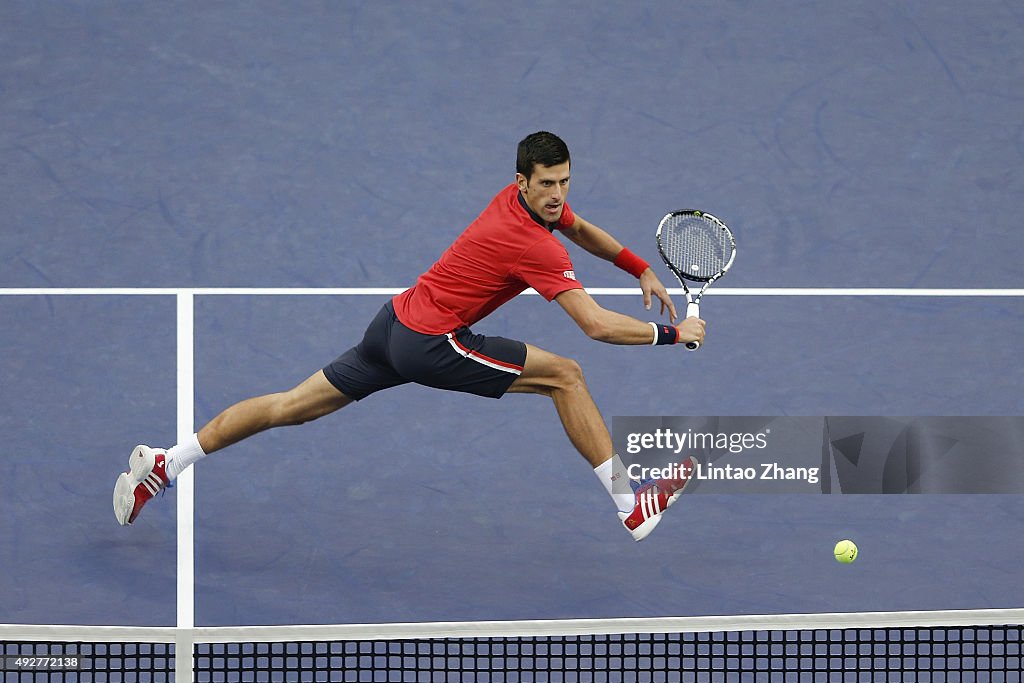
(466, 353)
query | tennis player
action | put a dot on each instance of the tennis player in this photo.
(424, 335)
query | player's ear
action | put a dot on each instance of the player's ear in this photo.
(522, 182)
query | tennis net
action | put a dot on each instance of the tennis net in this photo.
(969, 646)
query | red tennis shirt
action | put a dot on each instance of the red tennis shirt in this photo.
(504, 251)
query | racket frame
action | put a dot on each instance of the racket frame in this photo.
(693, 302)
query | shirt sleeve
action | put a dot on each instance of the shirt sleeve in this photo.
(546, 267)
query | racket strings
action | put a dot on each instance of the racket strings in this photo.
(698, 248)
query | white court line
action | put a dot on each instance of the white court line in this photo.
(596, 291)
(185, 487)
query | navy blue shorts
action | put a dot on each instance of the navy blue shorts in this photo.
(391, 354)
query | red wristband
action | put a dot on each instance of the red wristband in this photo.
(631, 263)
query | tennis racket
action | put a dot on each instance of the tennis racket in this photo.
(697, 247)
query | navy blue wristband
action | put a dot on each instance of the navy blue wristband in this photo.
(664, 334)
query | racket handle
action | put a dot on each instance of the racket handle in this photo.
(692, 311)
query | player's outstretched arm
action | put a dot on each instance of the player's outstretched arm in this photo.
(615, 328)
(600, 243)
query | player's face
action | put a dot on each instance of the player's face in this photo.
(545, 190)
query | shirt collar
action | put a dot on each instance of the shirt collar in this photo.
(550, 227)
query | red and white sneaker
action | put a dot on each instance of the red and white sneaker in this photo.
(653, 498)
(146, 476)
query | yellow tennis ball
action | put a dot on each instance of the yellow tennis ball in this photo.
(846, 551)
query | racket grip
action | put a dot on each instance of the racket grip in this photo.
(692, 311)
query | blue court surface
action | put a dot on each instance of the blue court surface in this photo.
(226, 145)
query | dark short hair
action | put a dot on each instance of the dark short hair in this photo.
(546, 149)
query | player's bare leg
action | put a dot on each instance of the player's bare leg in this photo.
(310, 400)
(151, 470)
(562, 379)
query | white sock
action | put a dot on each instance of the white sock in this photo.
(181, 456)
(612, 474)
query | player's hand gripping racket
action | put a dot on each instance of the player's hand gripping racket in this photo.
(697, 247)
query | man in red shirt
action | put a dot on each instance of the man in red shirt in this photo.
(424, 335)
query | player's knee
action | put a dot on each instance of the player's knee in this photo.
(569, 375)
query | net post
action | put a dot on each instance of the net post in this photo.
(183, 650)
